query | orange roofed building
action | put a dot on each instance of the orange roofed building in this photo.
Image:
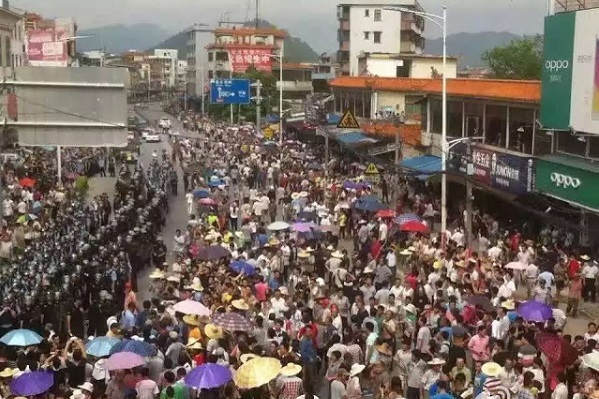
(237, 48)
(503, 112)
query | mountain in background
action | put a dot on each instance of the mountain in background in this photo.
(120, 38)
(469, 47)
(296, 50)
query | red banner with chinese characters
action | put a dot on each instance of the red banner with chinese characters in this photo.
(243, 58)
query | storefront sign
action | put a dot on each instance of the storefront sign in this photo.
(47, 47)
(243, 58)
(507, 172)
(567, 182)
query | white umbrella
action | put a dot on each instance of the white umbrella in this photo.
(591, 360)
(516, 266)
(280, 225)
(191, 307)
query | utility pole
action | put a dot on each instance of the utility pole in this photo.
(202, 89)
(231, 106)
(258, 103)
(469, 177)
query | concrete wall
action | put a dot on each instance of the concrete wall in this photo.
(389, 26)
(421, 67)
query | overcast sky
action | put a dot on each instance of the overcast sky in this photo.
(312, 20)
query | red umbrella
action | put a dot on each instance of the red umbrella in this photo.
(385, 213)
(27, 182)
(207, 201)
(414, 226)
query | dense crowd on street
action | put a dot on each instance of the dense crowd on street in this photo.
(291, 279)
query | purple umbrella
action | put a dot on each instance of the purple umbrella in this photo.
(535, 311)
(34, 383)
(213, 252)
(302, 227)
(123, 361)
(207, 376)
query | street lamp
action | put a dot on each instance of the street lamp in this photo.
(440, 21)
(280, 59)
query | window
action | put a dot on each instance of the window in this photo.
(413, 107)
(210, 74)
(377, 15)
(521, 120)
(569, 144)
(210, 57)
(366, 13)
(496, 120)
(377, 37)
(366, 35)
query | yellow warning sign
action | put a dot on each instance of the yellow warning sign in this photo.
(348, 121)
(371, 169)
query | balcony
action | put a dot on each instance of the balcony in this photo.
(323, 76)
(290, 85)
(344, 45)
(408, 47)
(344, 25)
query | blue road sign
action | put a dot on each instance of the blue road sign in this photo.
(230, 91)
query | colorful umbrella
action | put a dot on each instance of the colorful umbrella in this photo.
(100, 346)
(27, 182)
(385, 213)
(232, 322)
(123, 361)
(213, 252)
(191, 307)
(207, 201)
(406, 217)
(21, 337)
(207, 376)
(352, 185)
(481, 301)
(33, 383)
(247, 268)
(141, 348)
(216, 183)
(277, 226)
(369, 205)
(535, 311)
(414, 227)
(257, 372)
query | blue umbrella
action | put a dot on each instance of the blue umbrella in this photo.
(21, 337)
(199, 194)
(246, 268)
(216, 183)
(208, 376)
(101, 346)
(141, 348)
(369, 206)
(307, 215)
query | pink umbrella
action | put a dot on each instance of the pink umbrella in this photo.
(123, 361)
(207, 201)
(191, 307)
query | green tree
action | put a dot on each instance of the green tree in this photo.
(520, 59)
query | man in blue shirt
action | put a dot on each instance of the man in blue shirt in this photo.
(442, 391)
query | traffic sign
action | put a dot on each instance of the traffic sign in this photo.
(371, 169)
(230, 91)
(348, 121)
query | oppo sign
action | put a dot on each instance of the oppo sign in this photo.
(556, 65)
(565, 181)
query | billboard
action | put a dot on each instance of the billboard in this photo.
(47, 47)
(243, 58)
(570, 77)
(230, 91)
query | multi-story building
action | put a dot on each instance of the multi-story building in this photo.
(50, 42)
(8, 29)
(17, 44)
(198, 37)
(420, 66)
(574, 5)
(181, 80)
(365, 26)
(237, 48)
(164, 66)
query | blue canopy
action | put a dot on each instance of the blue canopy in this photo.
(334, 119)
(352, 137)
(424, 166)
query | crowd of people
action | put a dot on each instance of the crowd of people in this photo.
(291, 279)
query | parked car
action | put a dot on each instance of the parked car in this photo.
(152, 138)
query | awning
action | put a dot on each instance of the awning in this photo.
(355, 138)
(424, 166)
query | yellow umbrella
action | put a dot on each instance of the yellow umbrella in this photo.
(257, 372)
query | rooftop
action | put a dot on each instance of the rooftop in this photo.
(405, 56)
(239, 45)
(242, 31)
(495, 89)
